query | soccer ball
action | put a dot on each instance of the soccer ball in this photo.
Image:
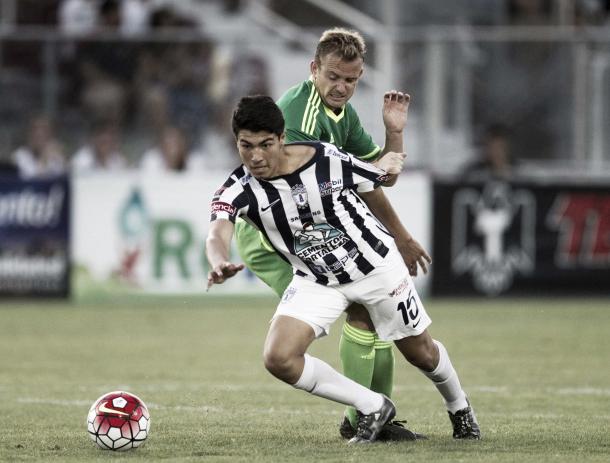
(118, 421)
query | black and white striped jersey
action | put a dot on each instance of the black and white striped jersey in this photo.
(313, 217)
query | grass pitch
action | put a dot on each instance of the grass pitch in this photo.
(537, 372)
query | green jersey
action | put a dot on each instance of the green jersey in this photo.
(308, 118)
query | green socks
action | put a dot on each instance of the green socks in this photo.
(383, 373)
(366, 360)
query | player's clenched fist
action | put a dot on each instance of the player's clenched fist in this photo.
(392, 162)
(222, 272)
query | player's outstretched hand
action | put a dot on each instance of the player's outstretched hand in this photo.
(223, 272)
(392, 162)
(395, 109)
(414, 254)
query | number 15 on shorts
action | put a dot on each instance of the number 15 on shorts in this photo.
(409, 310)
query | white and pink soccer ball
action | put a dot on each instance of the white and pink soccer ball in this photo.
(118, 421)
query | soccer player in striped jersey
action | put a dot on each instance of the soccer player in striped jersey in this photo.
(319, 109)
(310, 201)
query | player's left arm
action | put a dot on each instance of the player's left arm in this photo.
(411, 251)
(395, 111)
(217, 247)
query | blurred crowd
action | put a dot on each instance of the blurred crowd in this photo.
(133, 89)
(140, 84)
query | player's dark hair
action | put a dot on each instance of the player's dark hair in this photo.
(258, 113)
(348, 44)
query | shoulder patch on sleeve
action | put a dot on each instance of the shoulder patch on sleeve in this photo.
(331, 150)
(221, 206)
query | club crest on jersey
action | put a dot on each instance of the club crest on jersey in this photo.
(299, 194)
(288, 294)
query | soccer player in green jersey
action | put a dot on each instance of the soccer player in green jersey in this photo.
(319, 109)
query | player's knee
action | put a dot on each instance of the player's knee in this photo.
(425, 359)
(279, 363)
(419, 351)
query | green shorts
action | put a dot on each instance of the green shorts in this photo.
(261, 259)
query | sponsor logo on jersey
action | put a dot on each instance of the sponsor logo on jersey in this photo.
(315, 241)
(330, 187)
(299, 194)
(341, 262)
(404, 284)
(332, 151)
(219, 206)
(270, 205)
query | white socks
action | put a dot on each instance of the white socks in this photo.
(446, 381)
(319, 378)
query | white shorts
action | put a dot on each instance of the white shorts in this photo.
(387, 292)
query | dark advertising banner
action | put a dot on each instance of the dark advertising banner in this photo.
(521, 238)
(34, 237)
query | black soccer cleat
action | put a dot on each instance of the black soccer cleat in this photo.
(346, 430)
(370, 425)
(393, 431)
(465, 424)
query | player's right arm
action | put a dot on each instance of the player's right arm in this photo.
(366, 181)
(413, 254)
(229, 201)
(217, 247)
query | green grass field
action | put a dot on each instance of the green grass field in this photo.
(537, 372)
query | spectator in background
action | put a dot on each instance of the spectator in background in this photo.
(42, 154)
(8, 168)
(172, 80)
(495, 161)
(106, 69)
(171, 154)
(77, 17)
(234, 73)
(529, 12)
(135, 16)
(102, 153)
(523, 81)
(591, 12)
(187, 97)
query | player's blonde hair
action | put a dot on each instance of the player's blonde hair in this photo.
(346, 43)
